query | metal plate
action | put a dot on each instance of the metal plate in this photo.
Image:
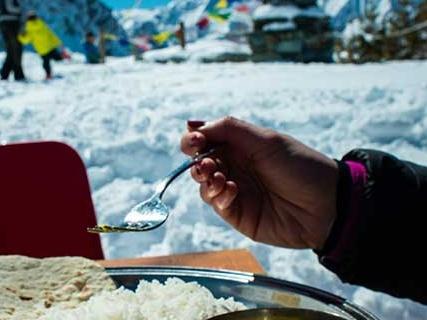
(255, 291)
(277, 314)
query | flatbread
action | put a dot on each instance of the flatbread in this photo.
(29, 286)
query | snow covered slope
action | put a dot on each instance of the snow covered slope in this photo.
(137, 21)
(148, 22)
(126, 119)
(343, 11)
(72, 19)
(189, 11)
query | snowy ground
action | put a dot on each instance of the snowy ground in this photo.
(209, 50)
(126, 119)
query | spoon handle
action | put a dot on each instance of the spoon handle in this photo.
(162, 186)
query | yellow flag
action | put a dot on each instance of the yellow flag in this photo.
(218, 17)
(162, 37)
(222, 4)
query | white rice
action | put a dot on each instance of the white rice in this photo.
(173, 300)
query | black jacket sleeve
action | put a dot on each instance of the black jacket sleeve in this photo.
(388, 252)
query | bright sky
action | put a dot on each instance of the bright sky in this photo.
(120, 4)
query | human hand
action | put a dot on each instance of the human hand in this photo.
(269, 186)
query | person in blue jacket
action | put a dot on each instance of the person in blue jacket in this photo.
(90, 49)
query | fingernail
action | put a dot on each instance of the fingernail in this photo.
(194, 124)
(194, 141)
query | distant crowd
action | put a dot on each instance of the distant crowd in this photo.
(34, 31)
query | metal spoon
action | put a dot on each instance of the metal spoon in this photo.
(152, 213)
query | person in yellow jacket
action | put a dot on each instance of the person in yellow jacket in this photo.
(45, 42)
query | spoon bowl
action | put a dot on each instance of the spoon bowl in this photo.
(152, 212)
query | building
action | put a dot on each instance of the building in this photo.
(292, 30)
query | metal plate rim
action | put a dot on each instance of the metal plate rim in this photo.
(244, 277)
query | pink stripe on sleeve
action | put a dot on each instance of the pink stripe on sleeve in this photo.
(348, 233)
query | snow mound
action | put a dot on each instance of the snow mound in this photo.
(287, 12)
(201, 51)
(279, 26)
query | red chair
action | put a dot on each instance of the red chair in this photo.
(45, 202)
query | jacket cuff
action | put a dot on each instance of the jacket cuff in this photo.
(338, 248)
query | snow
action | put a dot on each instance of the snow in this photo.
(126, 119)
(202, 50)
(344, 11)
(279, 26)
(240, 23)
(383, 8)
(188, 11)
(138, 21)
(270, 12)
(191, 17)
(352, 29)
(333, 7)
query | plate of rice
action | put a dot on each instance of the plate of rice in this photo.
(75, 288)
(181, 293)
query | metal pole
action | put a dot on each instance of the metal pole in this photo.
(102, 44)
(181, 35)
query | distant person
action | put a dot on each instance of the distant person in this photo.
(90, 49)
(45, 42)
(10, 15)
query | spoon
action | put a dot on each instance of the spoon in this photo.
(151, 213)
